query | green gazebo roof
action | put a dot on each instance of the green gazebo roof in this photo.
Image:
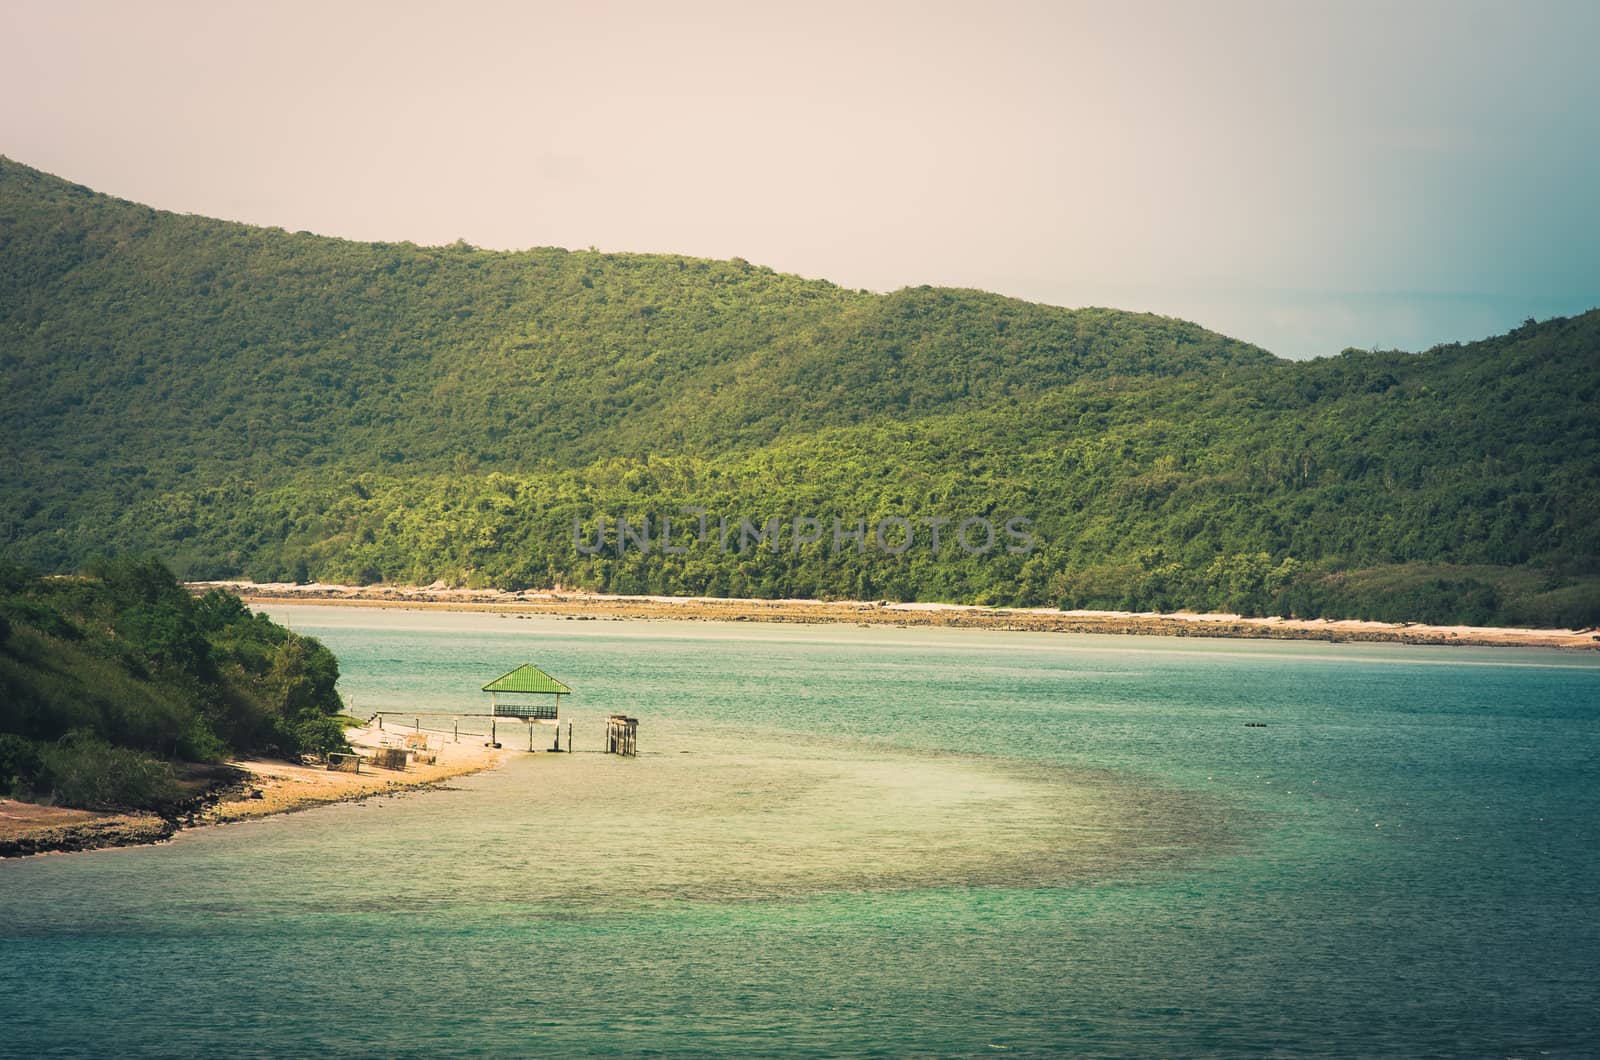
(527, 678)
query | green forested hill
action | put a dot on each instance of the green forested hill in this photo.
(248, 401)
(108, 679)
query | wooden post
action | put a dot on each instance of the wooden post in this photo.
(455, 730)
(622, 735)
(530, 737)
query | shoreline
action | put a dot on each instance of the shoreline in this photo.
(263, 788)
(584, 605)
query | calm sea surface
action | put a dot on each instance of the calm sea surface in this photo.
(881, 842)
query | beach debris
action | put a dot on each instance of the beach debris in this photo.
(344, 763)
(389, 758)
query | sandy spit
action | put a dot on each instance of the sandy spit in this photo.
(1179, 624)
(267, 787)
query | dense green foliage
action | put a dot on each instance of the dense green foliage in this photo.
(281, 406)
(108, 678)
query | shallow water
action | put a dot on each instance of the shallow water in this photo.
(877, 842)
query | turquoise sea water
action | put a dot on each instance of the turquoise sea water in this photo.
(884, 842)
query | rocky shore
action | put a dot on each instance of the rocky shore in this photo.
(82, 833)
(244, 790)
(579, 605)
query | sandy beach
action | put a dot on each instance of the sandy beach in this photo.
(266, 786)
(580, 605)
(282, 787)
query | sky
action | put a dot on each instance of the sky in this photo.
(1305, 176)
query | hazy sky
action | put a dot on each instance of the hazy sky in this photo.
(1304, 176)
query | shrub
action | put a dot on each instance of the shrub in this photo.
(19, 765)
(85, 771)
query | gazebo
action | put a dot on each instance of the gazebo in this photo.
(534, 697)
(530, 681)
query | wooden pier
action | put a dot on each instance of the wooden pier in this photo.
(622, 735)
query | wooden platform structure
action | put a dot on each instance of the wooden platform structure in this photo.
(533, 696)
(622, 735)
(526, 680)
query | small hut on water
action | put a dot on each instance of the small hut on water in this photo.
(527, 680)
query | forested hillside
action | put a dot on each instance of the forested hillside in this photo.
(245, 401)
(108, 679)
